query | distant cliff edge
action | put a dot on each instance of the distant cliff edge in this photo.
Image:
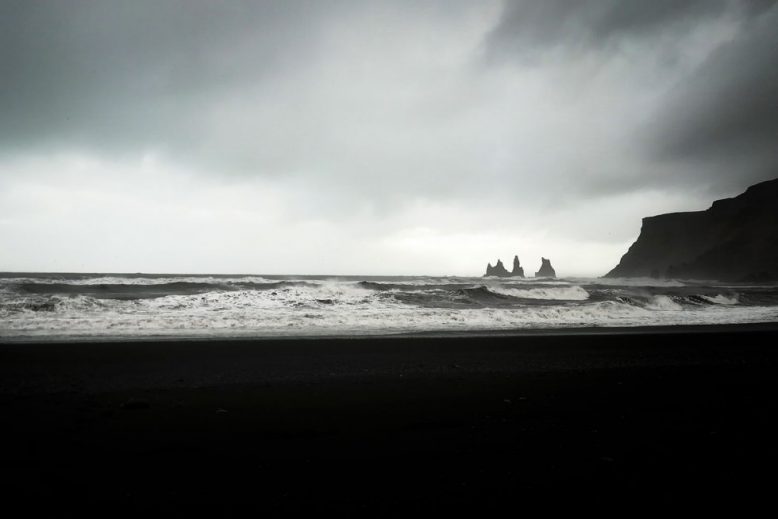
(735, 240)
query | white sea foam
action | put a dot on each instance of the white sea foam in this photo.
(261, 314)
(631, 282)
(662, 303)
(127, 280)
(344, 307)
(569, 293)
(721, 299)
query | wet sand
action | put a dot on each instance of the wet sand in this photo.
(616, 418)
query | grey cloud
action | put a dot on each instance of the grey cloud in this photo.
(229, 87)
(248, 86)
(527, 28)
(716, 127)
(726, 115)
(121, 74)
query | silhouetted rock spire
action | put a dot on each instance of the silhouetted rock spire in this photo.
(497, 270)
(517, 270)
(546, 270)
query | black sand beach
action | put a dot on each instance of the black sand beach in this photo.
(626, 418)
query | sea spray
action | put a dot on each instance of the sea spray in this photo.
(117, 306)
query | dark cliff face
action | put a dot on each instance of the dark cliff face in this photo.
(735, 240)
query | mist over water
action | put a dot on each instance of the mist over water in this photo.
(51, 306)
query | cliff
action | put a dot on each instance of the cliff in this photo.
(736, 239)
(546, 270)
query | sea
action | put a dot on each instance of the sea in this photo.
(135, 306)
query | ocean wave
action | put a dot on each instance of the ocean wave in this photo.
(633, 282)
(721, 299)
(568, 293)
(411, 286)
(133, 279)
(502, 293)
(322, 306)
(217, 316)
(149, 291)
(119, 291)
(662, 303)
(483, 296)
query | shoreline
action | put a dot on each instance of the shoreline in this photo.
(479, 333)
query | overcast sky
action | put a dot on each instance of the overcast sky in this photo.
(370, 137)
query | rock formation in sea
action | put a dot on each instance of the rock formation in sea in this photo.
(546, 270)
(517, 271)
(736, 239)
(497, 270)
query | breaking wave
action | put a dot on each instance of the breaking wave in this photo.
(148, 290)
(116, 306)
(721, 299)
(569, 293)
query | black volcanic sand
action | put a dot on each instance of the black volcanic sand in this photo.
(388, 426)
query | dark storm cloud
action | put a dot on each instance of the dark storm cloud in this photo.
(726, 115)
(302, 88)
(528, 27)
(718, 125)
(125, 74)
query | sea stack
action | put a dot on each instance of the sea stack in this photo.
(546, 270)
(517, 270)
(498, 270)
